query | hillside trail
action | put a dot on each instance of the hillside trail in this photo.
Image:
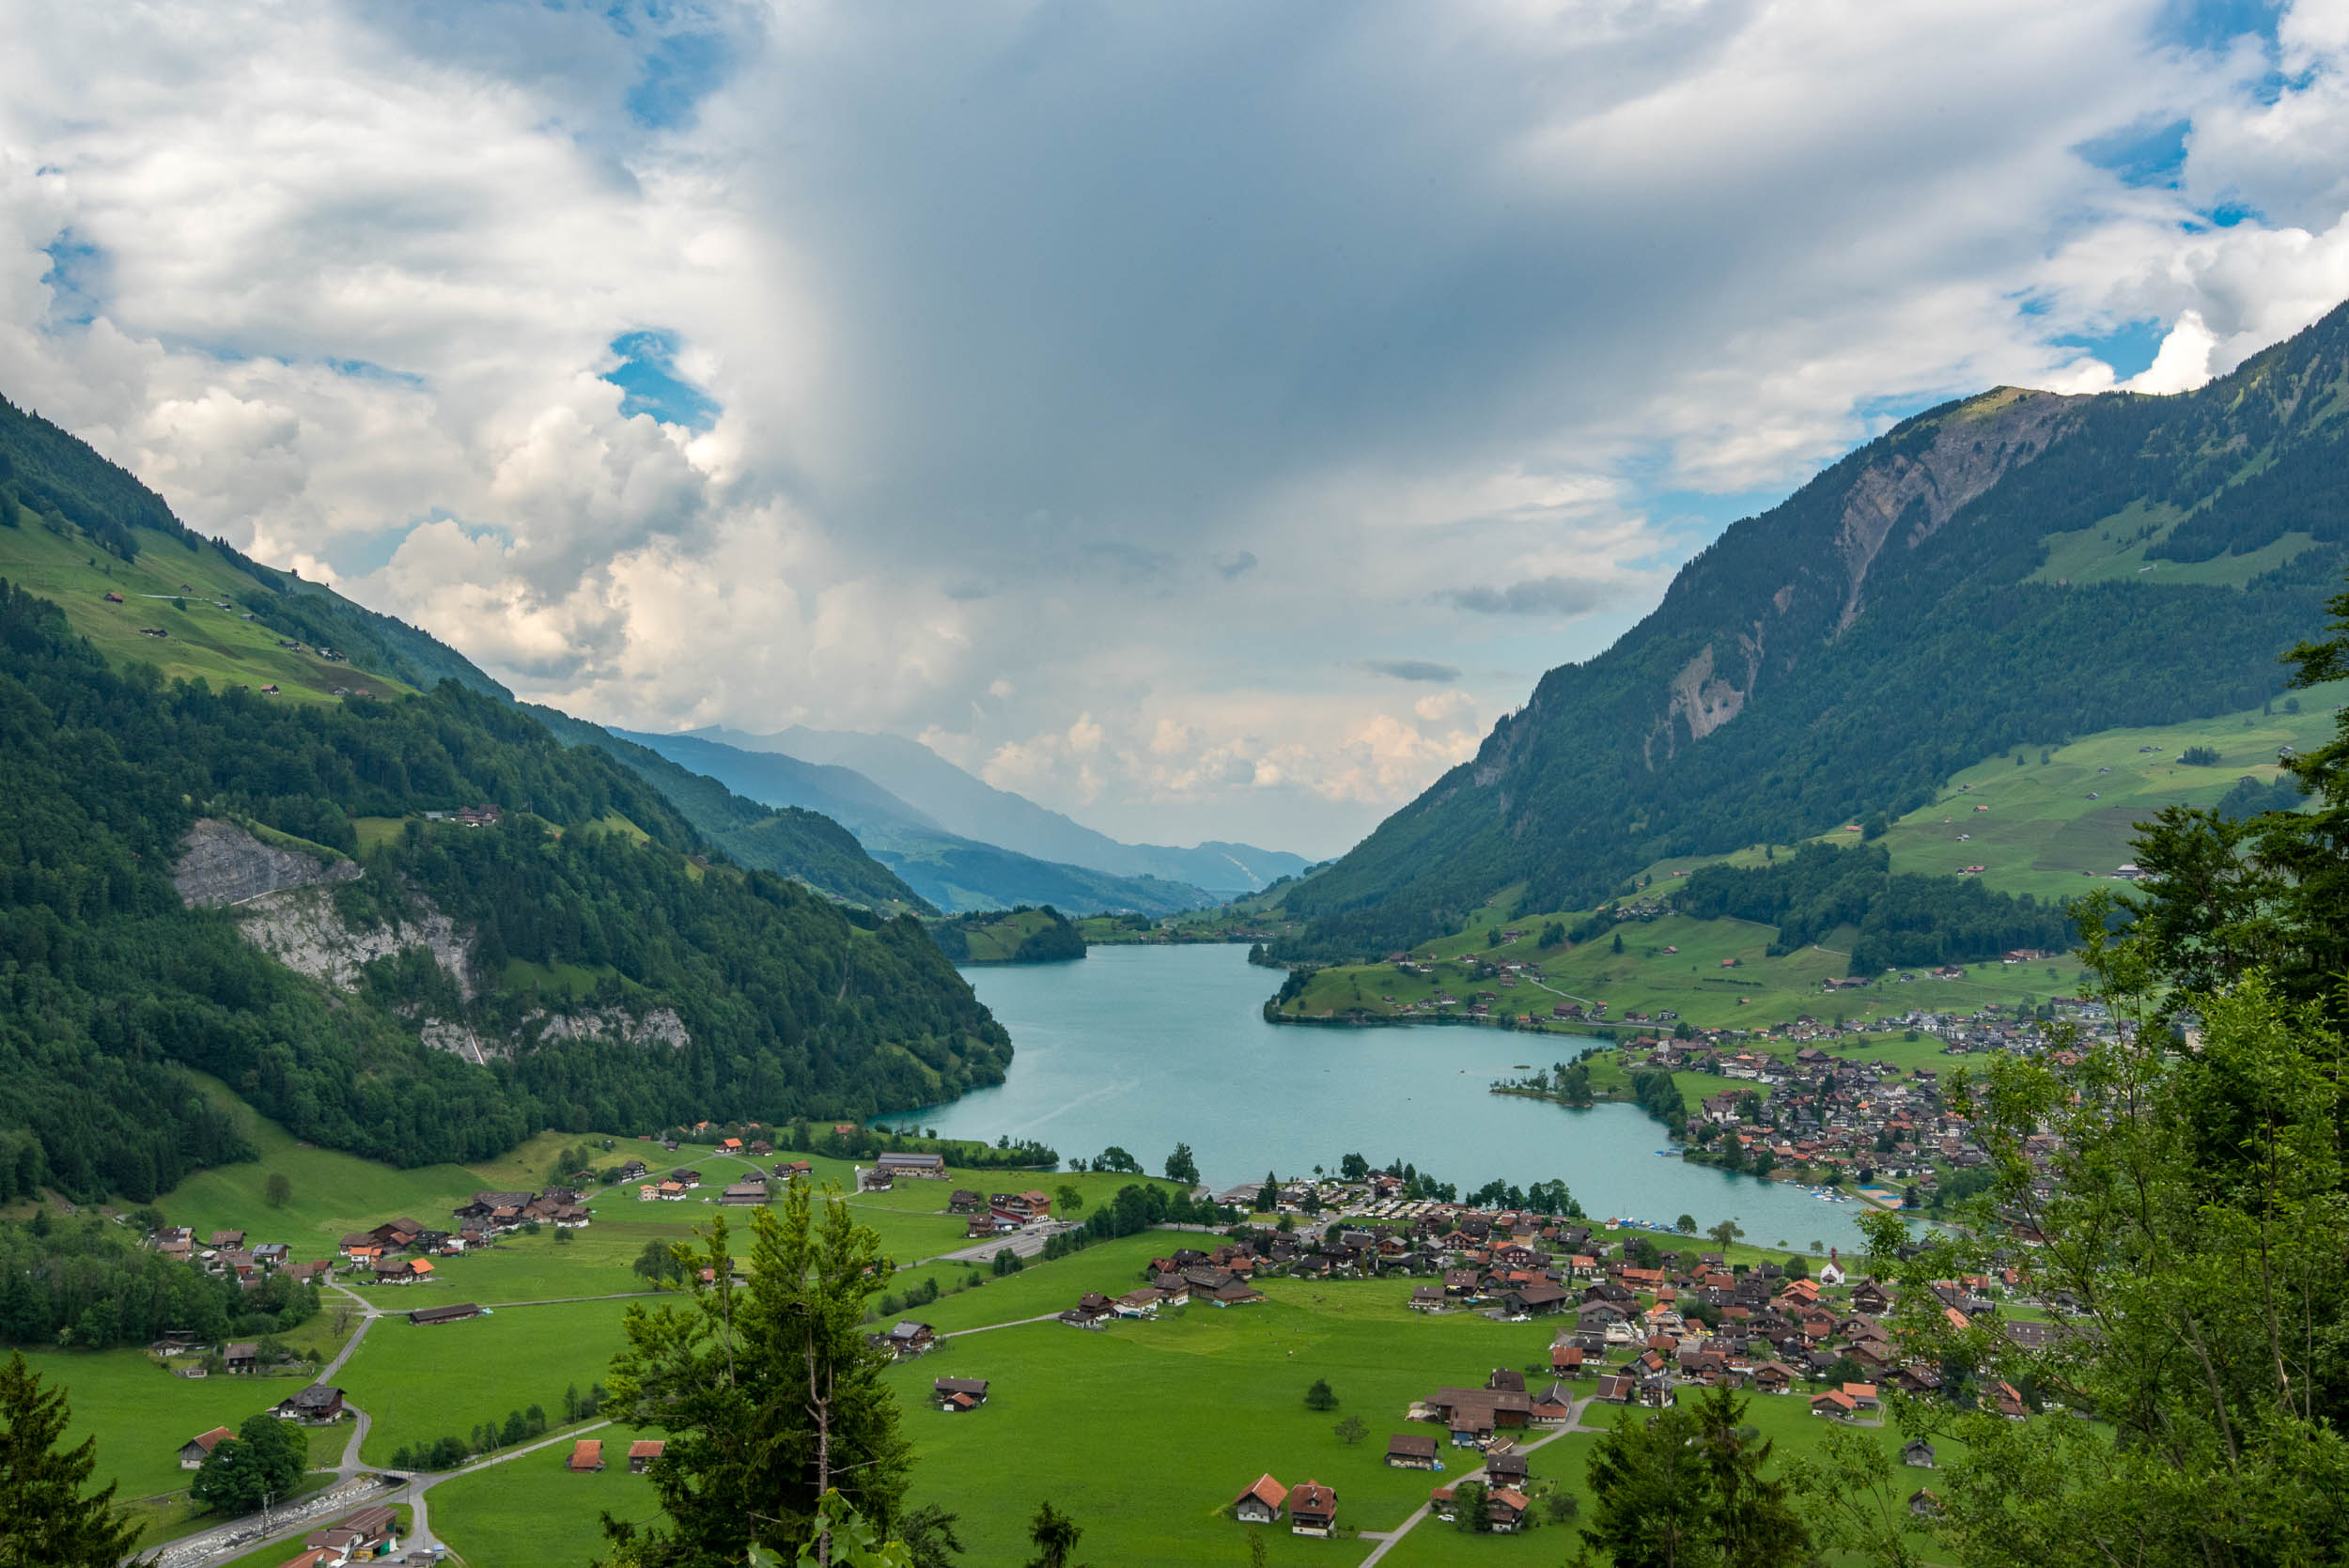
(1386, 1540)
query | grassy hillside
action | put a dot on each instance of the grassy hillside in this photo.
(1714, 973)
(1021, 935)
(181, 591)
(796, 843)
(2043, 834)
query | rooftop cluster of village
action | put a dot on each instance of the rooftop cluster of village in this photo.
(1638, 1325)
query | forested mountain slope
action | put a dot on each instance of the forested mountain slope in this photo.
(577, 963)
(2007, 570)
(77, 529)
(789, 839)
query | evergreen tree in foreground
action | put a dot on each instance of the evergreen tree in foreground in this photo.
(45, 1519)
(769, 1392)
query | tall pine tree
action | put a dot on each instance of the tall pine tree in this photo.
(45, 1519)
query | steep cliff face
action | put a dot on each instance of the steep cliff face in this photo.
(285, 905)
(221, 863)
(1891, 623)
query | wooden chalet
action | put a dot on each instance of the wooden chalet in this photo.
(1261, 1502)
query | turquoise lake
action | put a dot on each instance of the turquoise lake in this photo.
(1145, 1046)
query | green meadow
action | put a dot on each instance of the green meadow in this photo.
(532, 1510)
(419, 1384)
(201, 639)
(1144, 1431)
(2033, 828)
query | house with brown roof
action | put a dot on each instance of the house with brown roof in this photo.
(643, 1453)
(1261, 1503)
(1506, 1507)
(587, 1454)
(242, 1359)
(1834, 1404)
(951, 1394)
(192, 1452)
(1313, 1509)
(371, 1532)
(1407, 1451)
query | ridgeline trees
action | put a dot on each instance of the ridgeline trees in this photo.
(1181, 1166)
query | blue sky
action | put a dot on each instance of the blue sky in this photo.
(1206, 418)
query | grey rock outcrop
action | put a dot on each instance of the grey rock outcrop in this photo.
(221, 863)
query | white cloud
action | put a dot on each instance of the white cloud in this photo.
(1108, 400)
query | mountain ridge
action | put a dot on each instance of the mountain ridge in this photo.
(971, 808)
(957, 874)
(1883, 624)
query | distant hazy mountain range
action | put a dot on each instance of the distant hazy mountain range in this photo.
(958, 842)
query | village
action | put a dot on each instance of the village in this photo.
(1638, 1326)
(1641, 1317)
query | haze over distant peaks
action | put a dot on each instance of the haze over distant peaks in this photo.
(971, 808)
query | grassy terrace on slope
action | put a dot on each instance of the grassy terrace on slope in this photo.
(1889, 625)
(1021, 935)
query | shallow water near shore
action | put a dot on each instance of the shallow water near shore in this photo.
(1143, 1046)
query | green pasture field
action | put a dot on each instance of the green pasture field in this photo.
(419, 1384)
(2040, 832)
(202, 641)
(531, 1511)
(1144, 1432)
(2112, 549)
(140, 1414)
(1757, 992)
(334, 1193)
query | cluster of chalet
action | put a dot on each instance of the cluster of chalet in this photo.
(588, 1455)
(1864, 1120)
(1311, 1508)
(1506, 1472)
(1638, 1336)
(227, 1255)
(998, 1212)
(489, 1215)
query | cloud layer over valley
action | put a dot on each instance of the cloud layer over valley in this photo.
(1206, 419)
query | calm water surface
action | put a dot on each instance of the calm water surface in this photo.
(1143, 1046)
